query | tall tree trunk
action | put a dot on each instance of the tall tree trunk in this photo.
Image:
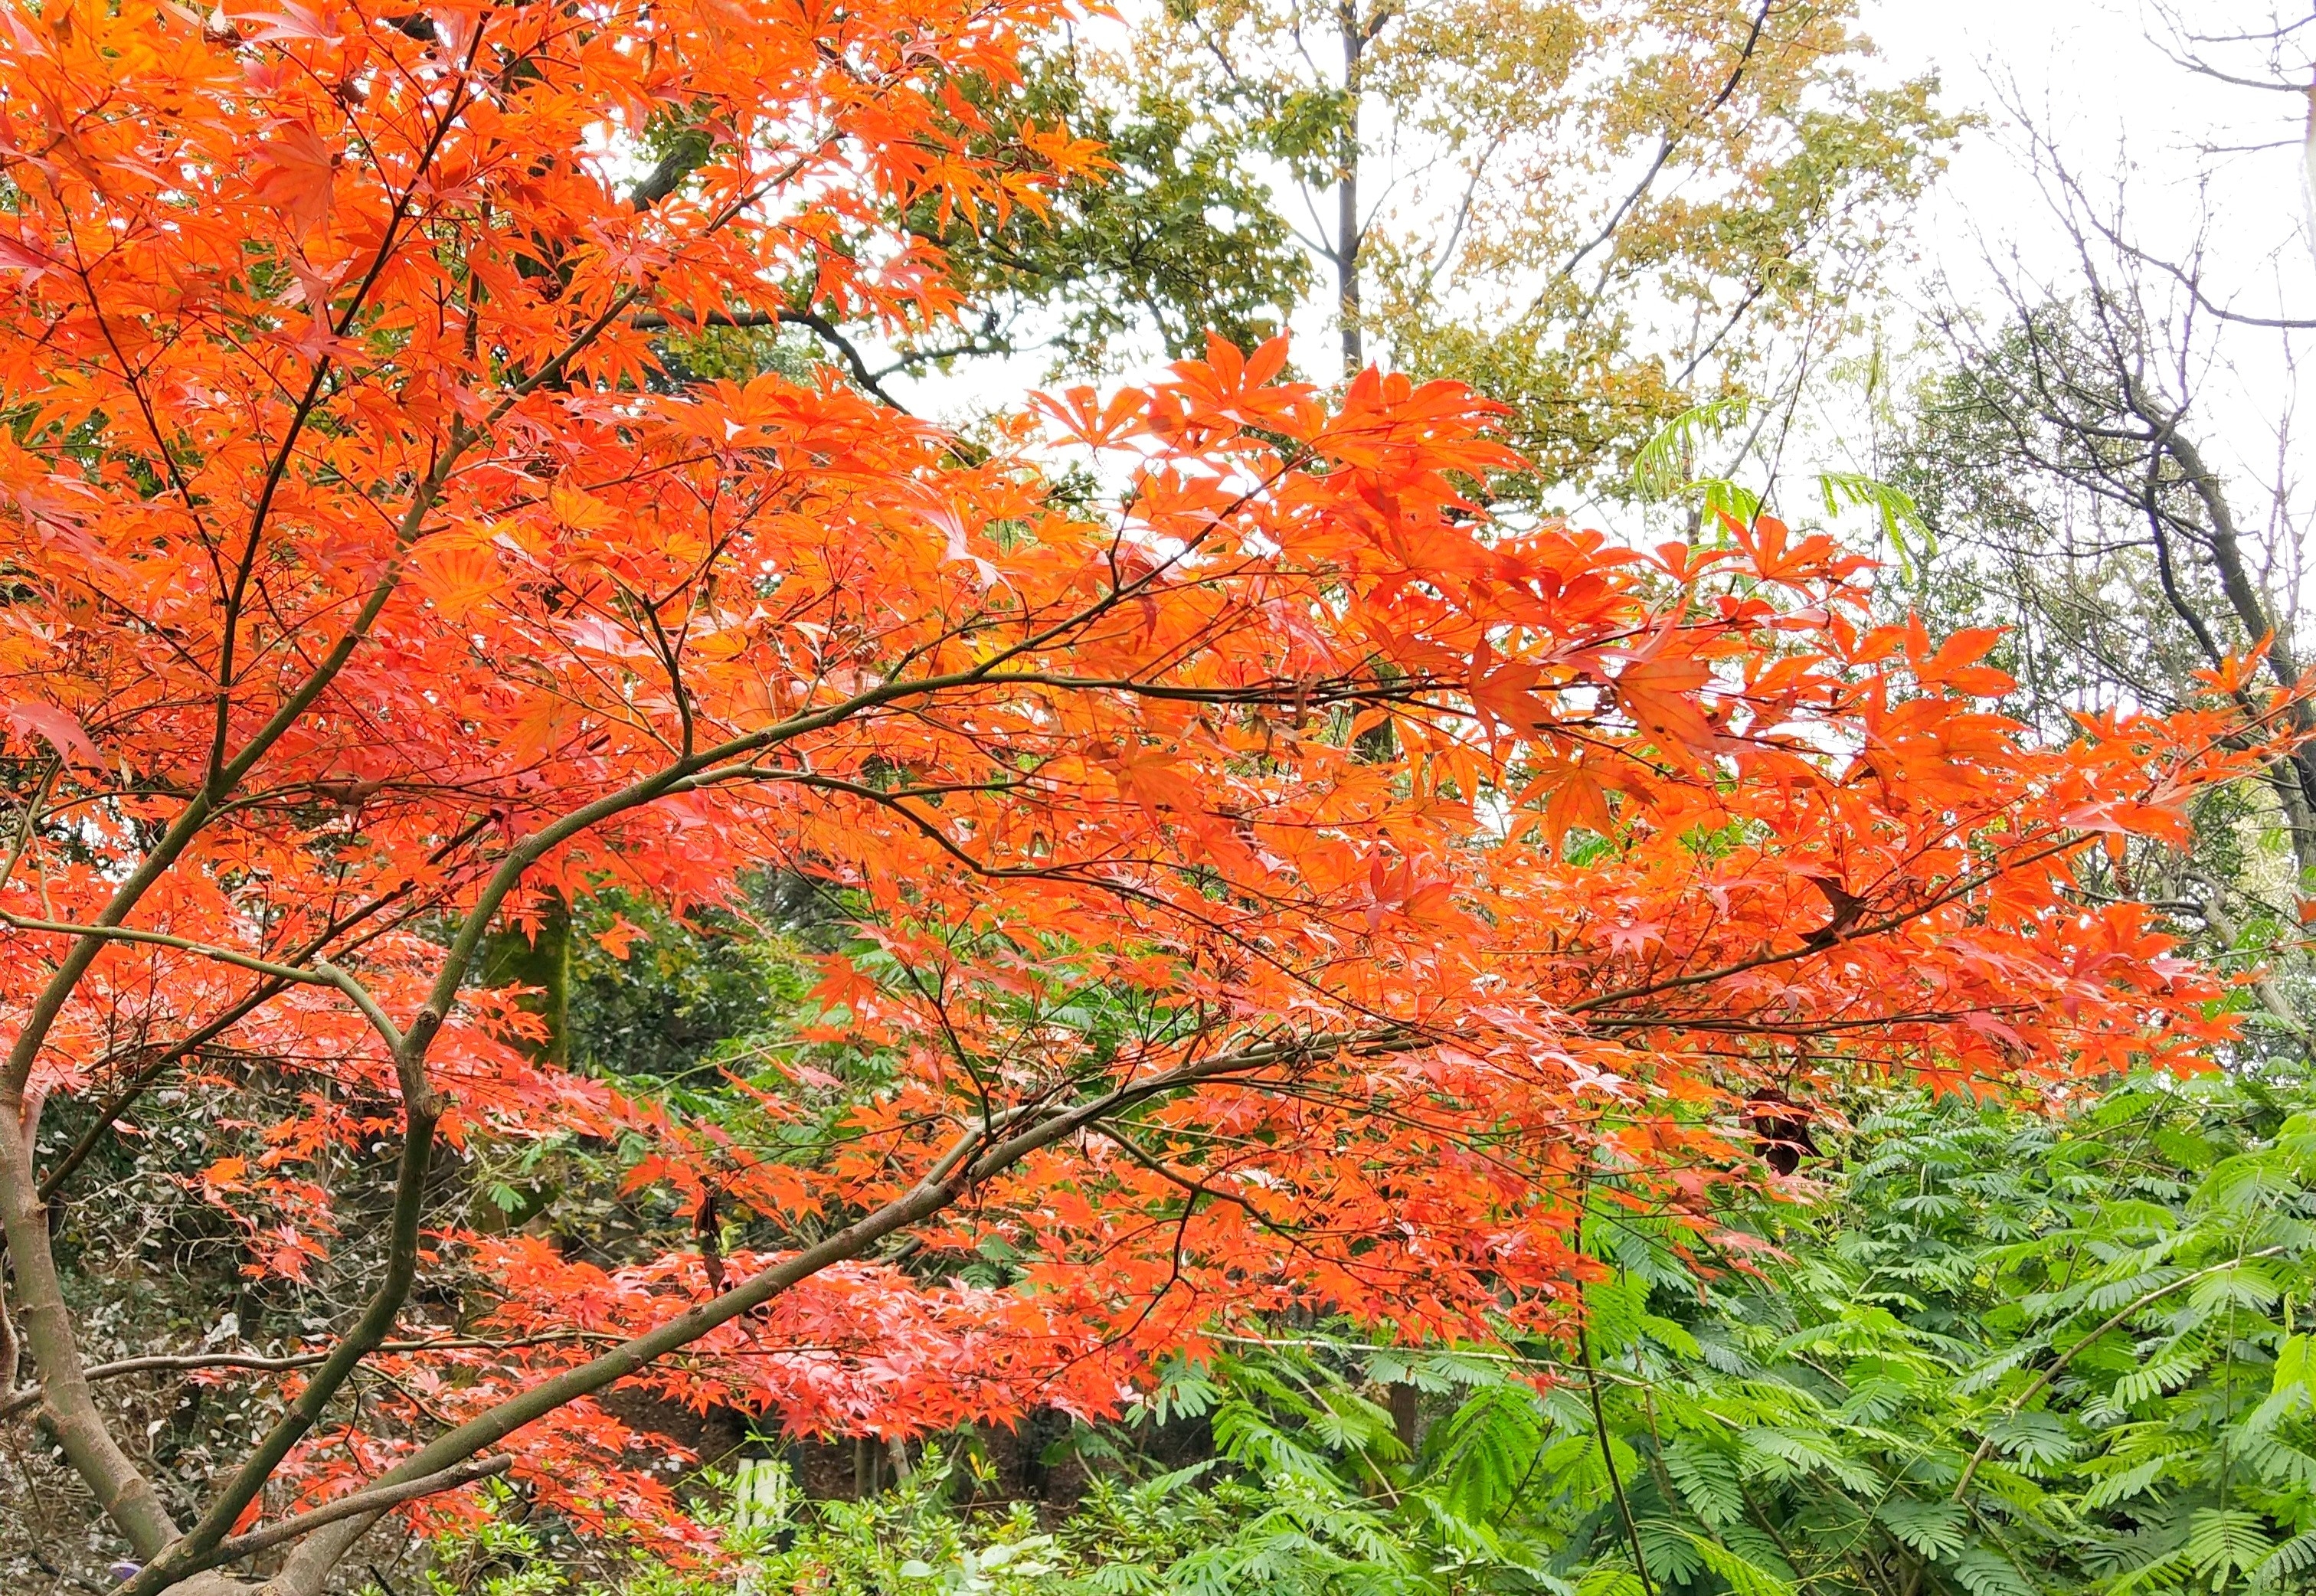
(540, 960)
(2294, 777)
(1354, 28)
(2308, 168)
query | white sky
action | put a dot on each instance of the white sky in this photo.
(2085, 69)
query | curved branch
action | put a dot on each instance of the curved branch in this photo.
(1962, 888)
(371, 1502)
(820, 326)
(976, 1158)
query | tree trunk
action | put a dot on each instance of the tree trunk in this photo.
(1407, 1415)
(1347, 191)
(540, 960)
(67, 1403)
(2253, 612)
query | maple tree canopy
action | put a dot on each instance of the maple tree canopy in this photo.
(371, 583)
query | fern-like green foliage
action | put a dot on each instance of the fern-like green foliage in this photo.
(2005, 1354)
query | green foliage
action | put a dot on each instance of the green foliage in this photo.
(1911, 542)
(1175, 238)
(2007, 1354)
(507, 1554)
(682, 999)
(1666, 468)
(1666, 465)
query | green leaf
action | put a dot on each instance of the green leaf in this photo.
(1670, 1551)
(1489, 1449)
(2291, 1363)
(1782, 1453)
(2296, 1555)
(2163, 1372)
(1613, 1314)
(1606, 1579)
(2034, 1438)
(1896, 509)
(2277, 1461)
(1734, 500)
(2128, 1483)
(1934, 1529)
(1743, 1577)
(2245, 1285)
(1983, 1573)
(2226, 1540)
(1707, 1478)
(1673, 1337)
(1662, 466)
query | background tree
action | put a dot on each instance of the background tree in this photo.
(1172, 238)
(2109, 468)
(1600, 213)
(1167, 237)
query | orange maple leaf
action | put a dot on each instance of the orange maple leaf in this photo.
(295, 172)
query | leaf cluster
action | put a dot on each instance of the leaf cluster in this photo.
(2002, 1353)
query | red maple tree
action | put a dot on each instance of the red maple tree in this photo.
(370, 581)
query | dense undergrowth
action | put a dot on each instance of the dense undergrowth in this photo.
(1978, 1350)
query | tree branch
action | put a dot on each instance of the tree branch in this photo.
(15, 1401)
(376, 1500)
(1665, 148)
(827, 331)
(975, 1157)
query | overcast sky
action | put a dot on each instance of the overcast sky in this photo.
(2181, 155)
(2086, 70)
